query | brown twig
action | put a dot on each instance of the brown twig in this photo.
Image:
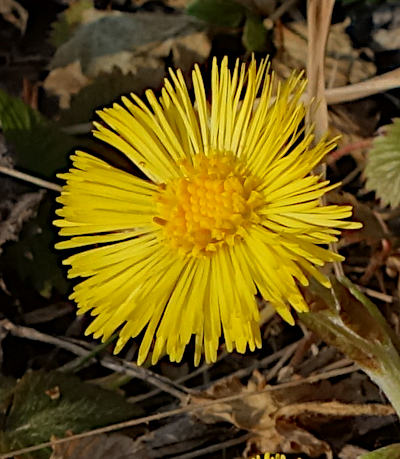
(279, 364)
(29, 178)
(112, 363)
(340, 152)
(319, 14)
(243, 372)
(375, 294)
(278, 13)
(214, 448)
(186, 409)
(381, 83)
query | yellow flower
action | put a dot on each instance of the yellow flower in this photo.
(228, 210)
(269, 456)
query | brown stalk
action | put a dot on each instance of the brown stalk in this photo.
(319, 13)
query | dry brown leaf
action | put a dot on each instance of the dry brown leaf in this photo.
(74, 67)
(343, 64)
(351, 452)
(103, 446)
(19, 212)
(66, 81)
(178, 4)
(353, 124)
(279, 420)
(371, 232)
(15, 13)
(388, 39)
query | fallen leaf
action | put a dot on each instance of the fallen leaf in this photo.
(351, 452)
(14, 13)
(137, 45)
(188, 49)
(371, 232)
(279, 420)
(177, 3)
(68, 20)
(66, 81)
(33, 416)
(96, 447)
(343, 63)
(20, 211)
(117, 32)
(387, 39)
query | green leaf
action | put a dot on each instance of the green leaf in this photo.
(388, 452)
(68, 20)
(255, 36)
(33, 257)
(40, 146)
(224, 13)
(383, 165)
(46, 404)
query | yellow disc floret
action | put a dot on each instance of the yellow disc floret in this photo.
(212, 204)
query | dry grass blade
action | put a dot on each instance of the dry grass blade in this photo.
(319, 13)
(112, 363)
(185, 409)
(29, 178)
(381, 83)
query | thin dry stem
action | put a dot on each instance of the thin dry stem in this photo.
(319, 14)
(186, 409)
(112, 363)
(381, 83)
(214, 448)
(29, 178)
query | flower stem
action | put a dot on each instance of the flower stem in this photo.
(388, 378)
(345, 318)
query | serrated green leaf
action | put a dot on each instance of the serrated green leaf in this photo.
(40, 146)
(255, 35)
(388, 452)
(224, 13)
(35, 416)
(67, 22)
(383, 165)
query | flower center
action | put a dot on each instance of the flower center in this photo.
(211, 205)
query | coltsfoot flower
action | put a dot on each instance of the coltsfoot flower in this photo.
(228, 210)
(270, 456)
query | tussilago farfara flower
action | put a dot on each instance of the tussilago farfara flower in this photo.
(270, 456)
(228, 210)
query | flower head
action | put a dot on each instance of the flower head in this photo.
(228, 210)
(269, 456)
